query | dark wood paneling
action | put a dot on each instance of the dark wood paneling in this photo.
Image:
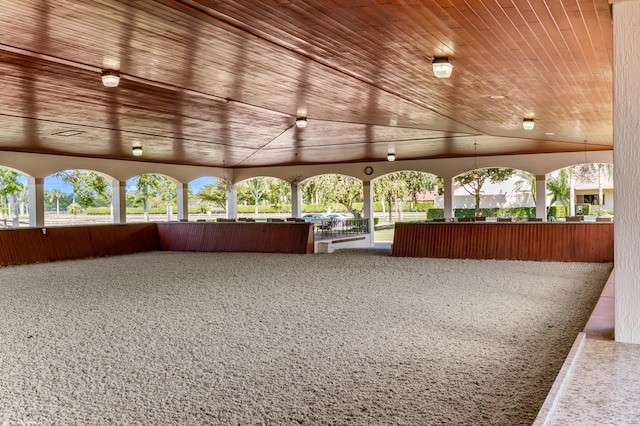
(35, 245)
(220, 83)
(241, 237)
(561, 242)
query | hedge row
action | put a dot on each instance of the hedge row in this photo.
(130, 210)
(518, 212)
(563, 211)
(432, 213)
(513, 212)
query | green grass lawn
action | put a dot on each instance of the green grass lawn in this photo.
(383, 235)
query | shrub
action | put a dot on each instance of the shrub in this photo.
(313, 208)
(423, 206)
(99, 210)
(152, 210)
(557, 211)
(514, 212)
(517, 212)
(585, 207)
(434, 213)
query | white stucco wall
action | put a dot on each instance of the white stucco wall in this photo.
(626, 132)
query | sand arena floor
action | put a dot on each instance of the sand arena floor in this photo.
(355, 337)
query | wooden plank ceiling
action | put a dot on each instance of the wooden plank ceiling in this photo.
(220, 83)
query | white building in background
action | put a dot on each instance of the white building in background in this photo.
(493, 195)
(588, 193)
(506, 194)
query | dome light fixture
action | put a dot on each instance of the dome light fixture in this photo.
(110, 78)
(301, 122)
(528, 123)
(442, 67)
(136, 150)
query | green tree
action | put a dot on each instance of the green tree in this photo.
(150, 187)
(473, 181)
(527, 182)
(252, 190)
(278, 193)
(334, 188)
(74, 208)
(54, 195)
(389, 189)
(13, 193)
(559, 187)
(310, 191)
(345, 190)
(214, 194)
(418, 183)
(88, 186)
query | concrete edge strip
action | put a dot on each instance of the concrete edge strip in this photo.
(548, 409)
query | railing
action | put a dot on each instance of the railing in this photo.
(332, 228)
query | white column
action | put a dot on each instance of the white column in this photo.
(119, 201)
(447, 193)
(367, 208)
(572, 194)
(232, 202)
(36, 201)
(541, 197)
(182, 198)
(626, 159)
(296, 200)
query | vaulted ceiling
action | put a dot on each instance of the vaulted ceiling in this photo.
(221, 82)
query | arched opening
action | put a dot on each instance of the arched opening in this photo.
(263, 197)
(77, 196)
(484, 191)
(151, 197)
(400, 197)
(332, 193)
(13, 199)
(207, 199)
(581, 192)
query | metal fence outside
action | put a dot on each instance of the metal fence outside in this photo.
(332, 228)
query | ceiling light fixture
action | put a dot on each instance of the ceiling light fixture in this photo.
(110, 78)
(442, 67)
(136, 150)
(391, 156)
(528, 123)
(301, 122)
(585, 170)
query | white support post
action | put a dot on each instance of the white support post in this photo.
(541, 197)
(367, 208)
(626, 159)
(232, 202)
(296, 200)
(448, 197)
(182, 199)
(36, 201)
(119, 201)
